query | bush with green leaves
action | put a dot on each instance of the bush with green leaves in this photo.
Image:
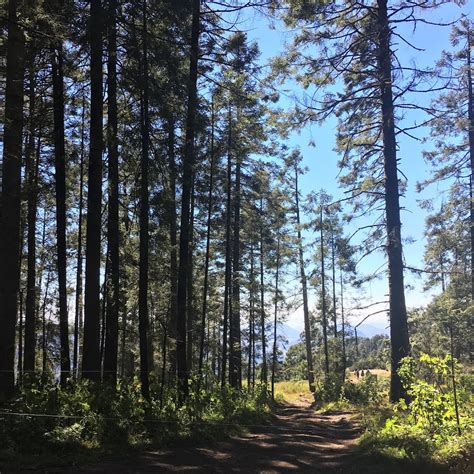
(427, 426)
(83, 415)
(366, 391)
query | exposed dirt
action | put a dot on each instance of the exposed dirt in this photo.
(298, 440)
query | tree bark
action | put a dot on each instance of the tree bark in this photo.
(304, 287)
(400, 346)
(32, 193)
(172, 327)
(20, 368)
(11, 200)
(275, 320)
(113, 232)
(333, 269)
(262, 301)
(208, 248)
(91, 368)
(228, 258)
(343, 330)
(251, 321)
(60, 179)
(471, 152)
(78, 299)
(323, 300)
(143, 317)
(189, 292)
(235, 363)
(188, 166)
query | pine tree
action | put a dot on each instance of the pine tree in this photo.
(11, 198)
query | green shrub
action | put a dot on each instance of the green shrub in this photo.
(427, 426)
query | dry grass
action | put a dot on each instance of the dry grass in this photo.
(293, 391)
(379, 373)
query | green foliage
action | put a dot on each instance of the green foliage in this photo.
(82, 417)
(331, 389)
(426, 427)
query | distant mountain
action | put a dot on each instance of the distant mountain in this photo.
(373, 329)
(291, 334)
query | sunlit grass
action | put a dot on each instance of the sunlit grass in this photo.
(293, 391)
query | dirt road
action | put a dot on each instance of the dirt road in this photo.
(298, 440)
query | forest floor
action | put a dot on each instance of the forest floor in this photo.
(297, 440)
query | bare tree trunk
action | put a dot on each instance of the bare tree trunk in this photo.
(10, 209)
(334, 300)
(113, 232)
(91, 342)
(471, 152)
(32, 193)
(304, 287)
(20, 368)
(205, 290)
(262, 301)
(235, 363)
(228, 257)
(78, 300)
(251, 320)
(172, 329)
(143, 317)
(400, 346)
(44, 335)
(275, 320)
(343, 329)
(60, 178)
(190, 316)
(323, 300)
(188, 166)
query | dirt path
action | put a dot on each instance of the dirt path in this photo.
(298, 440)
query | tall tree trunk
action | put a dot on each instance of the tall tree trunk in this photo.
(228, 256)
(471, 151)
(323, 299)
(143, 318)
(235, 364)
(20, 368)
(188, 166)
(44, 339)
(91, 368)
(11, 200)
(275, 318)
(304, 286)
(400, 346)
(41, 268)
(262, 301)
(32, 192)
(103, 322)
(113, 232)
(190, 316)
(205, 290)
(333, 269)
(251, 319)
(60, 178)
(343, 329)
(78, 299)
(172, 326)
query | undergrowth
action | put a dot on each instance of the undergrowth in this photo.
(427, 427)
(82, 420)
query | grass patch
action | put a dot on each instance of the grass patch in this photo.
(291, 391)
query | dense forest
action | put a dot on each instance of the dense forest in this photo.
(157, 230)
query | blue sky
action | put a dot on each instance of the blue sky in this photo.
(322, 160)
